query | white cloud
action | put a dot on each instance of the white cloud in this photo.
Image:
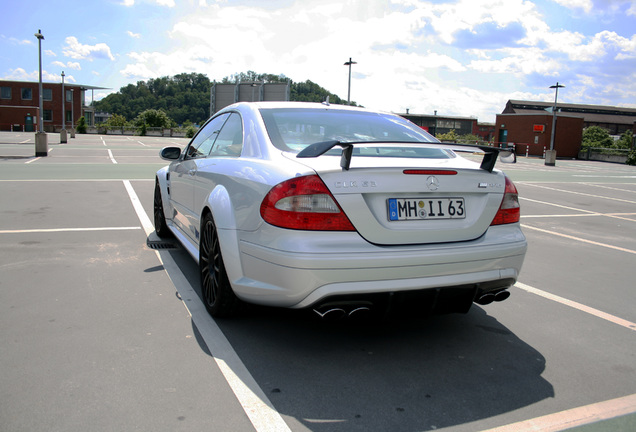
(168, 3)
(74, 49)
(461, 58)
(50, 53)
(19, 74)
(68, 65)
(16, 41)
(133, 35)
(585, 5)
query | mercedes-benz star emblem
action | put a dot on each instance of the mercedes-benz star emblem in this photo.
(432, 183)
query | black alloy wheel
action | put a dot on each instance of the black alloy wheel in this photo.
(218, 297)
(161, 228)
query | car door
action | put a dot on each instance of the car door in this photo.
(183, 173)
(221, 163)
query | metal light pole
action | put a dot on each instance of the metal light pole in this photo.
(550, 157)
(435, 133)
(63, 135)
(72, 113)
(41, 141)
(349, 63)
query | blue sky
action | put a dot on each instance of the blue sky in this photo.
(461, 58)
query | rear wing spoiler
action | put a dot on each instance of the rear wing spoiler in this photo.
(487, 163)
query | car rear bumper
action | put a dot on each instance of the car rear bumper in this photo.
(291, 272)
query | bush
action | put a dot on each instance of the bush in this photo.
(631, 158)
(448, 137)
(625, 141)
(190, 131)
(81, 125)
(597, 137)
(153, 118)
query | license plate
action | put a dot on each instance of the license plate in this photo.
(401, 209)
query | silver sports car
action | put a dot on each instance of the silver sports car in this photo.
(339, 209)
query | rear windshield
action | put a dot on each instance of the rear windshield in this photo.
(294, 129)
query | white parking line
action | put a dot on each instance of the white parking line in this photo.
(524, 226)
(110, 154)
(578, 193)
(254, 401)
(580, 416)
(51, 230)
(595, 312)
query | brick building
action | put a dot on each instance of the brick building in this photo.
(19, 106)
(530, 133)
(437, 125)
(528, 124)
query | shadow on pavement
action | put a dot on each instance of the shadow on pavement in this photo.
(407, 374)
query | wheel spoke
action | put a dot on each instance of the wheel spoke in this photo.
(209, 267)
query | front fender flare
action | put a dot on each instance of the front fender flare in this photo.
(162, 178)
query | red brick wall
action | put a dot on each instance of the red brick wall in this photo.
(521, 131)
(13, 111)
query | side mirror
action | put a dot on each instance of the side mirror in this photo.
(170, 153)
(507, 157)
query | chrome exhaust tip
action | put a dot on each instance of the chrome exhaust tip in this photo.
(359, 312)
(502, 295)
(331, 314)
(485, 299)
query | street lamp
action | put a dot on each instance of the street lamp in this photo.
(72, 113)
(63, 136)
(349, 63)
(41, 144)
(550, 158)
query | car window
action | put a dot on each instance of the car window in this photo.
(295, 129)
(203, 141)
(230, 140)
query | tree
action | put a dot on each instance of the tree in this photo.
(596, 136)
(115, 120)
(153, 118)
(625, 141)
(183, 97)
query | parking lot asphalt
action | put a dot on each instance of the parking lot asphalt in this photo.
(101, 332)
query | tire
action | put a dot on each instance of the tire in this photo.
(161, 228)
(216, 291)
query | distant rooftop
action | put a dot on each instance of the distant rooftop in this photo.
(589, 113)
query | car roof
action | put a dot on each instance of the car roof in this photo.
(300, 105)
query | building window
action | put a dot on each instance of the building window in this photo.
(69, 116)
(5, 93)
(27, 94)
(48, 115)
(69, 96)
(47, 94)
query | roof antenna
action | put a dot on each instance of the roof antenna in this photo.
(326, 102)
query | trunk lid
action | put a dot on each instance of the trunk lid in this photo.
(399, 201)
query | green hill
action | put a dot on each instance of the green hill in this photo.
(186, 97)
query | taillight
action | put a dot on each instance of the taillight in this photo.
(304, 203)
(509, 211)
